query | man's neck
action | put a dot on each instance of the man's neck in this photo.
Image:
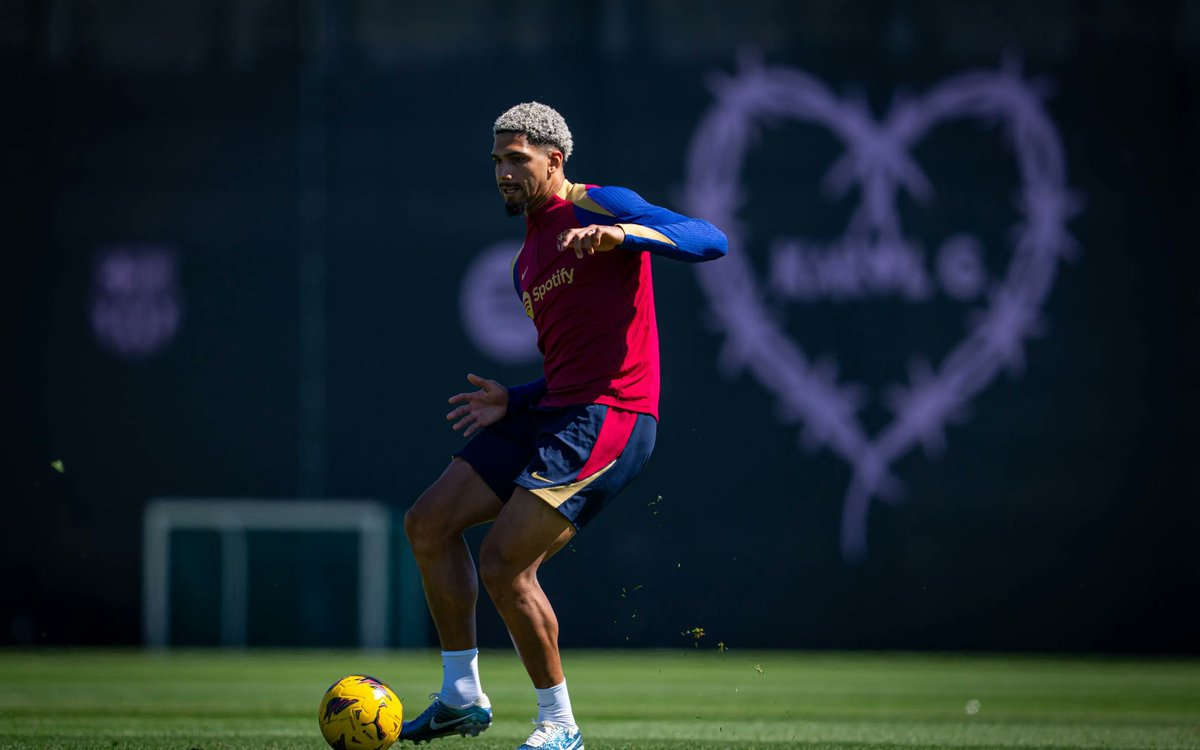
(558, 184)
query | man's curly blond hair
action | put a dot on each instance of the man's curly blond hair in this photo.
(542, 126)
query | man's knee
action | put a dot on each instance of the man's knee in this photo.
(455, 502)
(423, 528)
(417, 523)
(497, 566)
(429, 522)
(492, 568)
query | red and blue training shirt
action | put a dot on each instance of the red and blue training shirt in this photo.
(594, 315)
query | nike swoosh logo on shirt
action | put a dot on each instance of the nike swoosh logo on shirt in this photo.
(540, 478)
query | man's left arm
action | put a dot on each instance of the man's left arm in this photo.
(658, 230)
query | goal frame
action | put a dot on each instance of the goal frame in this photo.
(232, 518)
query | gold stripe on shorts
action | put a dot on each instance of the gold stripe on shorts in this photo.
(558, 495)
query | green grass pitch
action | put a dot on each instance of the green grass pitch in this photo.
(693, 699)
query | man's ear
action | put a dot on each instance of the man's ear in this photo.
(555, 158)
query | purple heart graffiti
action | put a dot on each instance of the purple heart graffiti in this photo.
(878, 162)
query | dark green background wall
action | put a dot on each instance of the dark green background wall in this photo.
(1062, 513)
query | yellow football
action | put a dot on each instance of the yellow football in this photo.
(360, 712)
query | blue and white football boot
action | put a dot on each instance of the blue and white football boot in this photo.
(551, 736)
(440, 720)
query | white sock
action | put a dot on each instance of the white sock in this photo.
(460, 679)
(554, 704)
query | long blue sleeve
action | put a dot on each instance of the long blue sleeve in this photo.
(658, 230)
(521, 397)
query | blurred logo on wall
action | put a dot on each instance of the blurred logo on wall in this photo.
(136, 304)
(975, 233)
(492, 314)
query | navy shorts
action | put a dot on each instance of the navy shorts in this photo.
(576, 458)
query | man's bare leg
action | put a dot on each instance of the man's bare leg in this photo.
(458, 500)
(526, 533)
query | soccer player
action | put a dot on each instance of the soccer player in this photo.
(545, 457)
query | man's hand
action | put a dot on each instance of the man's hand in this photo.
(480, 408)
(592, 239)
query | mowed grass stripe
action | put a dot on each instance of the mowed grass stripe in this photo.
(693, 698)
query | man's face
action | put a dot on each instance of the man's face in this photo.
(525, 174)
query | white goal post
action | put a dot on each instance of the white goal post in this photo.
(232, 518)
